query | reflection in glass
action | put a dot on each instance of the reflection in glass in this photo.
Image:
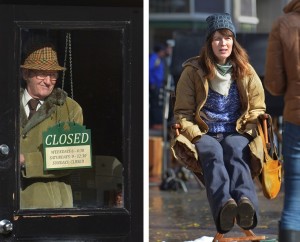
(101, 185)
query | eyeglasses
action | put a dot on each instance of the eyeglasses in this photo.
(41, 75)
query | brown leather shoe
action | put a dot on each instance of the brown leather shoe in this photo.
(227, 216)
(246, 212)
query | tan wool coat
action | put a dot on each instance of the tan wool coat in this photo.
(191, 94)
(282, 71)
(39, 188)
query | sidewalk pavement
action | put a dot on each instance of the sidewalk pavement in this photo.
(178, 216)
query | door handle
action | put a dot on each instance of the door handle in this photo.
(5, 226)
(4, 150)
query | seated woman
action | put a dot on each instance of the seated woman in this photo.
(218, 99)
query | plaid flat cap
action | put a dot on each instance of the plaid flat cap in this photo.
(44, 58)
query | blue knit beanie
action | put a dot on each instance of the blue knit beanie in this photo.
(219, 21)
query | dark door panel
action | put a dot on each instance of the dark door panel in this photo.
(106, 80)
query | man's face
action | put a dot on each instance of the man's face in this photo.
(40, 84)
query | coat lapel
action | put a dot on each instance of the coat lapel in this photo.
(56, 98)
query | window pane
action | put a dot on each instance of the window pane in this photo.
(169, 6)
(94, 59)
(212, 6)
(246, 8)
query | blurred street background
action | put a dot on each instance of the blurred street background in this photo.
(178, 206)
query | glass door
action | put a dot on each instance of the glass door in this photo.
(69, 168)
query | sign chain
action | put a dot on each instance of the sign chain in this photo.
(68, 49)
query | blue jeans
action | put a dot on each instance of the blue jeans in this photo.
(225, 162)
(290, 218)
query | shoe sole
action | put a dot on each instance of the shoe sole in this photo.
(227, 217)
(245, 215)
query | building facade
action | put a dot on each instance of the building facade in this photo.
(167, 17)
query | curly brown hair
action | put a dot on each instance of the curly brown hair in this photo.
(238, 58)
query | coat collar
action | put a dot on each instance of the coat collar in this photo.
(194, 61)
(293, 6)
(56, 98)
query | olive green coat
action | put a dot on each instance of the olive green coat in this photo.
(36, 191)
(191, 94)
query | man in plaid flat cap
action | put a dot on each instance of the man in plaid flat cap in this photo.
(42, 106)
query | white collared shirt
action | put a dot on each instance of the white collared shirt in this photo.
(25, 99)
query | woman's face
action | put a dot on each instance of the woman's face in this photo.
(222, 46)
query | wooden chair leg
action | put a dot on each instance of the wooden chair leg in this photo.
(249, 236)
(218, 237)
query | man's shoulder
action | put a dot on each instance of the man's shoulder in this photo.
(70, 101)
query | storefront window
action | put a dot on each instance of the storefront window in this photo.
(95, 61)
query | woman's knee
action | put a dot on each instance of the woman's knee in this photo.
(209, 148)
(234, 141)
(235, 144)
(207, 143)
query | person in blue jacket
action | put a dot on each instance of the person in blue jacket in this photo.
(156, 85)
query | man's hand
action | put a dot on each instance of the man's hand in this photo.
(22, 159)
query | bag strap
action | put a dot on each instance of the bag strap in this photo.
(272, 144)
(264, 134)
